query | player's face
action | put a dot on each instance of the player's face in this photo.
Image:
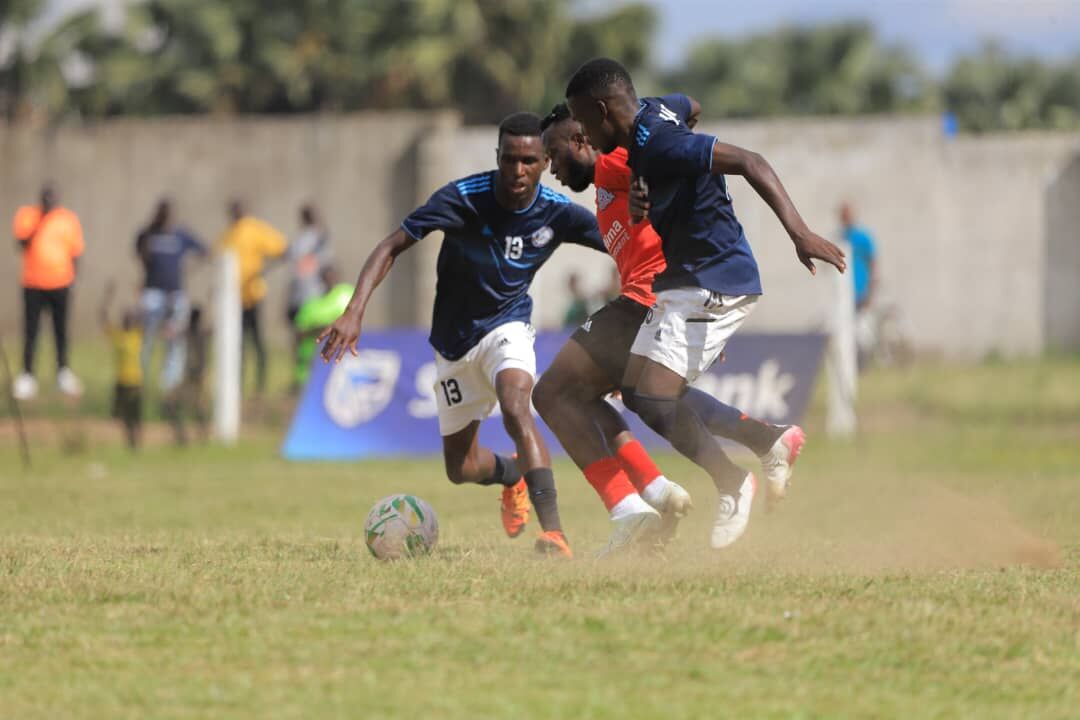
(521, 162)
(594, 119)
(572, 160)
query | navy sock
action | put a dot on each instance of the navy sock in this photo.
(731, 423)
(676, 421)
(541, 482)
(506, 472)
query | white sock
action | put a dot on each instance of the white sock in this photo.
(655, 492)
(632, 504)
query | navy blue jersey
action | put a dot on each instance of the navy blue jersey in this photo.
(691, 210)
(490, 255)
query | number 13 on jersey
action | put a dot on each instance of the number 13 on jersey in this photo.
(515, 245)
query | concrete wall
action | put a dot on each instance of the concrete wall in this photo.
(977, 236)
(361, 170)
(1062, 286)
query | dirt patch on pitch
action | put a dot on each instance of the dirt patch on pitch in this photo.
(926, 528)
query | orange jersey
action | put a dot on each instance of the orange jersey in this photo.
(55, 240)
(636, 249)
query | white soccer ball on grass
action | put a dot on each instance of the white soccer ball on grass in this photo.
(401, 526)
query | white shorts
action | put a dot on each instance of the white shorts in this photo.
(687, 328)
(465, 388)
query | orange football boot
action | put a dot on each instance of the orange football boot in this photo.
(515, 508)
(553, 542)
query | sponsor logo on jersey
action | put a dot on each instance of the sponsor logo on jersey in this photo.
(604, 198)
(668, 114)
(542, 237)
(615, 237)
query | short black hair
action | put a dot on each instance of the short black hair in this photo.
(520, 124)
(595, 77)
(558, 113)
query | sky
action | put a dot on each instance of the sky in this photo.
(937, 30)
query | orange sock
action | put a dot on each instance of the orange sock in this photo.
(638, 465)
(609, 480)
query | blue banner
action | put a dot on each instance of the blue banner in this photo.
(382, 403)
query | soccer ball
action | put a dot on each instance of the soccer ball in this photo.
(401, 526)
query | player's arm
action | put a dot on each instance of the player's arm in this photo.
(446, 210)
(809, 246)
(583, 229)
(344, 333)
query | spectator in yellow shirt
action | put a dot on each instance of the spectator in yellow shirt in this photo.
(50, 238)
(126, 340)
(254, 242)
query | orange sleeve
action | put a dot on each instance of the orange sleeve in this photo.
(26, 221)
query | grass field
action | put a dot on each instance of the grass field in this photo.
(929, 569)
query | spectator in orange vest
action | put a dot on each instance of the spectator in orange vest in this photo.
(50, 239)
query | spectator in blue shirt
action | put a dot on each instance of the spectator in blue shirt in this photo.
(863, 257)
(161, 247)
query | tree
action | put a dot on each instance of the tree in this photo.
(989, 90)
(826, 70)
(483, 57)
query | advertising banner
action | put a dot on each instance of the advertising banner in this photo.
(382, 403)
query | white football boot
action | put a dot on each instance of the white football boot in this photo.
(25, 387)
(69, 383)
(673, 506)
(777, 464)
(628, 531)
(733, 514)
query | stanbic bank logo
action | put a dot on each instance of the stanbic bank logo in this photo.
(763, 395)
(359, 388)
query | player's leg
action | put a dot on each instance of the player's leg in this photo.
(569, 397)
(464, 398)
(507, 361)
(685, 335)
(513, 388)
(247, 328)
(777, 446)
(260, 349)
(26, 385)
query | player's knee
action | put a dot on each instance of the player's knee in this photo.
(659, 413)
(460, 470)
(517, 419)
(546, 395)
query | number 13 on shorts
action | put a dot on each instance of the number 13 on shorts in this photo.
(451, 391)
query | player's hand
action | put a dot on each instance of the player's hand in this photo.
(342, 335)
(639, 201)
(810, 246)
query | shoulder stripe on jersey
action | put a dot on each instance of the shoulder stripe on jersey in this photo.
(552, 196)
(474, 181)
(473, 188)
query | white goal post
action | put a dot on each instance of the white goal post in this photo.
(227, 348)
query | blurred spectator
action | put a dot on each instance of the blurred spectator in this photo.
(308, 254)
(189, 397)
(127, 345)
(578, 310)
(50, 239)
(161, 247)
(863, 262)
(254, 241)
(314, 316)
